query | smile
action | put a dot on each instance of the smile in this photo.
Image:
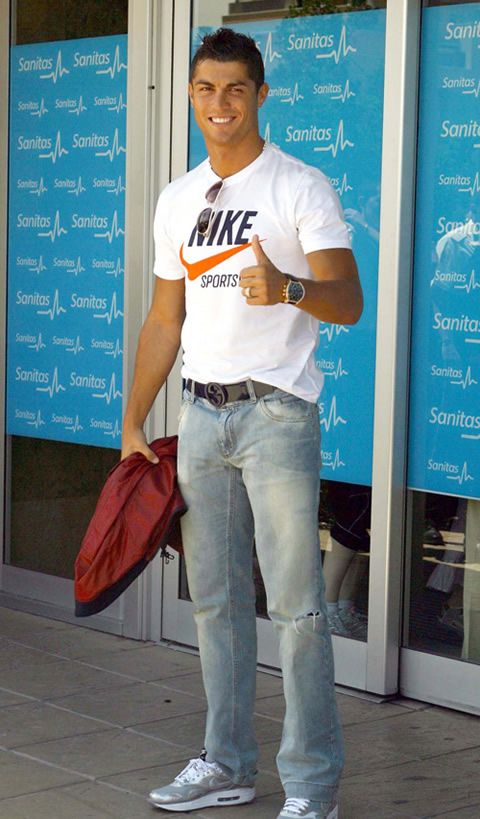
(221, 120)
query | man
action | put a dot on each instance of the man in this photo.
(229, 237)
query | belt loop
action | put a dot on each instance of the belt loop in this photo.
(251, 390)
(191, 391)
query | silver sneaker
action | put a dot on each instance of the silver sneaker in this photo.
(201, 785)
(295, 808)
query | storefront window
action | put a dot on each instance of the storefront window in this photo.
(443, 599)
(324, 65)
(65, 272)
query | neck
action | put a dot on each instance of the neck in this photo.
(227, 160)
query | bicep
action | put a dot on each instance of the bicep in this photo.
(333, 264)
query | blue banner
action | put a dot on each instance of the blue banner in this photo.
(326, 106)
(444, 445)
(66, 240)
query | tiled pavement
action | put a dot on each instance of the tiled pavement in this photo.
(90, 722)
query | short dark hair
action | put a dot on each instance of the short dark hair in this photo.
(226, 45)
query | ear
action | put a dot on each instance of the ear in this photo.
(262, 94)
(190, 92)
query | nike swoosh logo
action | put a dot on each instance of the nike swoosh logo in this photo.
(195, 269)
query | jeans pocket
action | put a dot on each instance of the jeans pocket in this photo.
(283, 406)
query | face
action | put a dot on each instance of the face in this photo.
(225, 102)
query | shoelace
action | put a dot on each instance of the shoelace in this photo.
(296, 806)
(195, 770)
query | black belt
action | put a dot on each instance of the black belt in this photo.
(220, 394)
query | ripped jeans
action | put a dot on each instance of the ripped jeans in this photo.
(251, 469)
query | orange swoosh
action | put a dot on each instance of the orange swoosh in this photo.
(195, 269)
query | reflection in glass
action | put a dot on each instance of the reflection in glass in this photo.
(444, 615)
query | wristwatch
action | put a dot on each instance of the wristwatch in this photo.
(293, 290)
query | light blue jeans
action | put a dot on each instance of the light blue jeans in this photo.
(251, 469)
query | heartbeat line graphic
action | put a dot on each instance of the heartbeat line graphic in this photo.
(340, 142)
(38, 422)
(56, 231)
(55, 386)
(467, 381)
(118, 189)
(112, 392)
(76, 426)
(332, 417)
(78, 267)
(331, 330)
(117, 350)
(115, 432)
(57, 152)
(266, 134)
(55, 310)
(77, 347)
(58, 71)
(342, 51)
(78, 189)
(39, 345)
(469, 437)
(41, 188)
(113, 233)
(120, 104)
(42, 109)
(296, 96)
(80, 107)
(339, 371)
(336, 463)
(472, 284)
(474, 187)
(39, 268)
(116, 67)
(463, 477)
(111, 314)
(346, 93)
(475, 91)
(118, 269)
(270, 54)
(115, 150)
(344, 187)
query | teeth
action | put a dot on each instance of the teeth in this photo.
(221, 119)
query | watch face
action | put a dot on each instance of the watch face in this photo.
(295, 292)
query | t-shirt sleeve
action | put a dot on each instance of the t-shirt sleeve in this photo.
(167, 263)
(319, 215)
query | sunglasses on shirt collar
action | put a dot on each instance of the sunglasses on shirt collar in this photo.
(206, 216)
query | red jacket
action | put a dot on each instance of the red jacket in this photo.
(137, 514)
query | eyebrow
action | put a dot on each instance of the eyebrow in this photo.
(229, 85)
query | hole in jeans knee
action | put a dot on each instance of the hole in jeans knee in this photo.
(309, 622)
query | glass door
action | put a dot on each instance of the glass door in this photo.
(325, 106)
(66, 309)
(441, 658)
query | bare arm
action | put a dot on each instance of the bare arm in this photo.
(334, 295)
(158, 345)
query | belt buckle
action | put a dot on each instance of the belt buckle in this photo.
(217, 394)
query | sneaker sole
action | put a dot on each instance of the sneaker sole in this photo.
(228, 798)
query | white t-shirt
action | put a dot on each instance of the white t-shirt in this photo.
(294, 211)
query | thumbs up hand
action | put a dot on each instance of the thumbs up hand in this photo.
(261, 283)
